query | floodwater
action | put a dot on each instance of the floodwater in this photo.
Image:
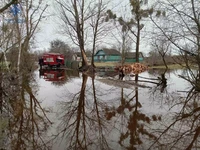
(68, 110)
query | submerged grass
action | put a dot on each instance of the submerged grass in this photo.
(171, 66)
(113, 64)
(106, 64)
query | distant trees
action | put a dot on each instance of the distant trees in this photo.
(122, 35)
(138, 14)
(18, 28)
(81, 21)
(135, 24)
(97, 23)
(32, 15)
(73, 16)
(59, 46)
(162, 46)
(182, 31)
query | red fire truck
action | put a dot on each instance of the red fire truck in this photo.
(52, 60)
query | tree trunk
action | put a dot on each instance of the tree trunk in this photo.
(84, 58)
(138, 41)
(137, 45)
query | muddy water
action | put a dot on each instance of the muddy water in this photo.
(69, 110)
(94, 113)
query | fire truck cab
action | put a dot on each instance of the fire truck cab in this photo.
(52, 60)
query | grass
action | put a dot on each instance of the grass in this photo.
(106, 64)
(112, 64)
(172, 66)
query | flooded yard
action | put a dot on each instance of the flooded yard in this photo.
(69, 110)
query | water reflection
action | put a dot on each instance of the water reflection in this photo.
(52, 74)
(23, 121)
(101, 116)
(91, 114)
(134, 133)
(82, 120)
(180, 129)
(89, 122)
(57, 77)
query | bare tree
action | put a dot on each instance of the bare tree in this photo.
(161, 45)
(183, 33)
(123, 36)
(98, 24)
(6, 6)
(125, 44)
(135, 24)
(17, 33)
(74, 16)
(33, 13)
(20, 24)
(80, 19)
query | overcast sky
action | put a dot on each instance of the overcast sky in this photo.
(49, 28)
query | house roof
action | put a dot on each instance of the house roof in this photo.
(109, 51)
(132, 54)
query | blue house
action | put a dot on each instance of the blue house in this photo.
(112, 55)
(107, 55)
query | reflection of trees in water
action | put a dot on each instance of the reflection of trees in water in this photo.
(156, 72)
(27, 120)
(159, 79)
(183, 130)
(180, 129)
(100, 120)
(87, 122)
(191, 76)
(82, 121)
(134, 125)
